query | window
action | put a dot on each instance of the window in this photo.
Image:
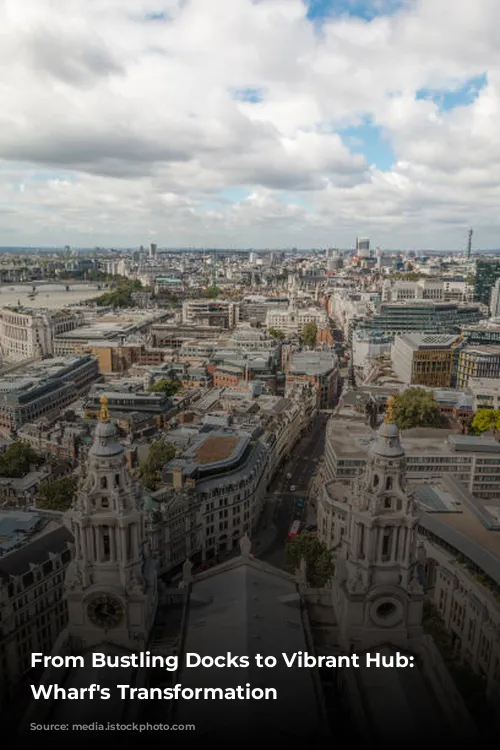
(386, 544)
(375, 480)
(104, 483)
(106, 547)
(361, 542)
(388, 483)
(117, 480)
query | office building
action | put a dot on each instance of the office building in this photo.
(425, 359)
(317, 369)
(495, 300)
(431, 453)
(477, 362)
(211, 313)
(487, 332)
(43, 389)
(29, 334)
(362, 247)
(487, 273)
(422, 316)
(293, 320)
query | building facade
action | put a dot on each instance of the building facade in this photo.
(477, 362)
(32, 607)
(426, 359)
(487, 273)
(423, 317)
(43, 389)
(209, 313)
(29, 334)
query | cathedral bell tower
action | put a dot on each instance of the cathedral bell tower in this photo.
(111, 581)
(377, 595)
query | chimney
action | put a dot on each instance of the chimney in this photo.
(177, 477)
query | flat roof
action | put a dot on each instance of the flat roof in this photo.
(351, 437)
(465, 533)
(429, 340)
(216, 449)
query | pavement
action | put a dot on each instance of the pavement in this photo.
(281, 507)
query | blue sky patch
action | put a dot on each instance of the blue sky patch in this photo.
(459, 97)
(234, 194)
(252, 95)
(368, 139)
(318, 10)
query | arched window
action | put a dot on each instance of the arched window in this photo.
(388, 483)
(375, 480)
(104, 483)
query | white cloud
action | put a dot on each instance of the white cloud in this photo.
(118, 115)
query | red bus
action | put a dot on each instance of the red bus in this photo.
(295, 529)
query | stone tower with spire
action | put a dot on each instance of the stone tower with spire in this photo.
(376, 592)
(111, 582)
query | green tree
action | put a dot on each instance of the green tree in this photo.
(165, 386)
(416, 407)
(276, 334)
(309, 334)
(58, 494)
(17, 460)
(159, 455)
(486, 419)
(122, 295)
(319, 563)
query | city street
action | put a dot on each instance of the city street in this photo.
(301, 465)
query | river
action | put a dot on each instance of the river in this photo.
(50, 295)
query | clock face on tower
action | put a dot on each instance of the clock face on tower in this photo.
(105, 611)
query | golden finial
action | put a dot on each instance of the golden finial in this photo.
(389, 413)
(104, 413)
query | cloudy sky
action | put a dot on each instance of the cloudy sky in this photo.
(250, 123)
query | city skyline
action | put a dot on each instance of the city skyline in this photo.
(232, 123)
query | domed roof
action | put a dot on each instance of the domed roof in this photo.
(387, 443)
(106, 442)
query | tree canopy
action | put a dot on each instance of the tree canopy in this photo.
(416, 407)
(319, 563)
(486, 419)
(159, 455)
(122, 295)
(276, 334)
(58, 494)
(309, 334)
(17, 460)
(165, 386)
